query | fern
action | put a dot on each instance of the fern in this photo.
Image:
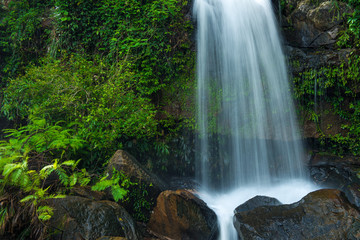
(44, 212)
(118, 184)
(51, 143)
(103, 184)
(118, 192)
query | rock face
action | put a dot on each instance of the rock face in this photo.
(314, 24)
(311, 29)
(339, 173)
(257, 201)
(82, 218)
(323, 214)
(180, 215)
(123, 161)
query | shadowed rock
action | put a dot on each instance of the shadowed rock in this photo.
(337, 172)
(180, 215)
(323, 214)
(81, 218)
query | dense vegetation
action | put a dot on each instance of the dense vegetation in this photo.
(337, 87)
(79, 80)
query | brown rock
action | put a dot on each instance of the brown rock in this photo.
(323, 214)
(180, 215)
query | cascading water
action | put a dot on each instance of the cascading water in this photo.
(248, 135)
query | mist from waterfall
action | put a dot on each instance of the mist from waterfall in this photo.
(248, 141)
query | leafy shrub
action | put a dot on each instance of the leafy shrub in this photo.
(35, 165)
(100, 100)
(154, 35)
(351, 36)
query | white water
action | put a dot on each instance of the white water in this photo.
(225, 204)
(248, 135)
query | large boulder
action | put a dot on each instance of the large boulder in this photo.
(257, 201)
(123, 161)
(180, 215)
(323, 214)
(82, 218)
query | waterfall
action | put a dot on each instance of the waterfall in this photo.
(248, 133)
(247, 127)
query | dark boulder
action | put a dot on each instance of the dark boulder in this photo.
(337, 172)
(323, 214)
(82, 218)
(180, 215)
(257, 201)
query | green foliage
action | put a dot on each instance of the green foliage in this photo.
(25, 158)
(45, 212)
(118, 184)
(81, 79)
(339, 87)
(152, 35)
(351, 36)
(101, 100)
(22, 36)
(39, 143)
(140, 202)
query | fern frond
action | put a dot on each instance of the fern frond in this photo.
(44, 212)
(102, 185)
(73, 179)
(29, 198)
(118, 192)
(46, 171)
(64, 178)
(69, 163)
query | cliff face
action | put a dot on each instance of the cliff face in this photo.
(323, 63)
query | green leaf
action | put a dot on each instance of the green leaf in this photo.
(29, 198)
(45, 213)
(118, 192)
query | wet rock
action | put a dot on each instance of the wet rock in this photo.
(257, 201)
(323, 214)
(111, 238)
(314, 24)
(180, 215)
(82, 218)
(337, 172)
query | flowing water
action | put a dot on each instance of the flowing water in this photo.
(248, 134)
